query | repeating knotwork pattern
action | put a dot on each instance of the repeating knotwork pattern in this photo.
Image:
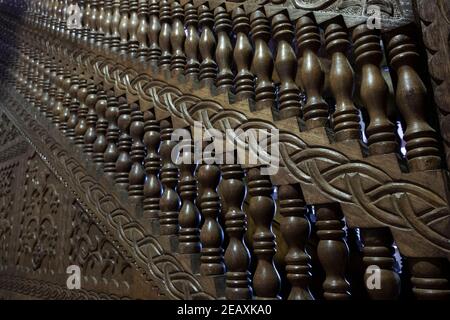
(387, 200)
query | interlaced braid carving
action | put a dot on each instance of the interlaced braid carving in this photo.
(385, 199)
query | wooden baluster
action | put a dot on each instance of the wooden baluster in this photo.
(107, 25)
(80, 128)
(73, 109)
(286, 66)
(296, 229)
(100, 143)
(152, 186)
(93, 24)
(91, 120)
(170, 201)
(46, 87)
(112, 136)
(262, 63)
(133, 23)
(155, 28)
(429, 278)
(100, 23)
(123, 27)
(374, 91)
(315, 111)
(56, 101)
(378, 251)
(65, 111)
(333, 252)
(115, 24)
(177, 37)
(189, 218)
(207, 44)
(224, 49)
(143, 52)
(123, 163)
(243, 82)
(211, 233)
(164, 35)
(346, 117)
(237, 257)
(137, 154)
(191, 44)
(378, 243)
(422, 150)
(266, 280)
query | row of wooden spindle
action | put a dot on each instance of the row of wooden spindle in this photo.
(270, 60)
(133, 149)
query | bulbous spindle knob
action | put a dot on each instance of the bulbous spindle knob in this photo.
(374, 91)
(192, 41)
(164, 35)
(346, 116)
(286, 66)
(422, 149)
(224, 49)
(243, 82)
(262, 63)
(315, 111)
(207, 44)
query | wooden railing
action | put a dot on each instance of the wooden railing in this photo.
(348, 195)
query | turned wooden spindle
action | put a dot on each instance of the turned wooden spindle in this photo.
(152, 163)
(192, 68)
(170, 201)
(296, 229)
(143, 52)
(262, 63)
(107, 25)
(57, 99)
(266, 280)
(164, 35)
(80, 128)
(422, 149)
(177, 37)
(242, 54)
(315, 111)
(91, 120)
(112, 136)
(101, 127)
(207, 44)
(224, 49)
(189, 218)
(237, 258)
(373, 91)
(115, 24)
(211, 233)
(123, 27)
(332, 251)
(133, 24)
(100, 24)
(65, 107)
(286, 67)
(429, 278)
(154, 29)
(137, 154)
(92, 17)
(346, 116)
(378, 252)
(123, 163)
(73, 108)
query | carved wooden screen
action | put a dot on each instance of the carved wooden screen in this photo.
(92, 92)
